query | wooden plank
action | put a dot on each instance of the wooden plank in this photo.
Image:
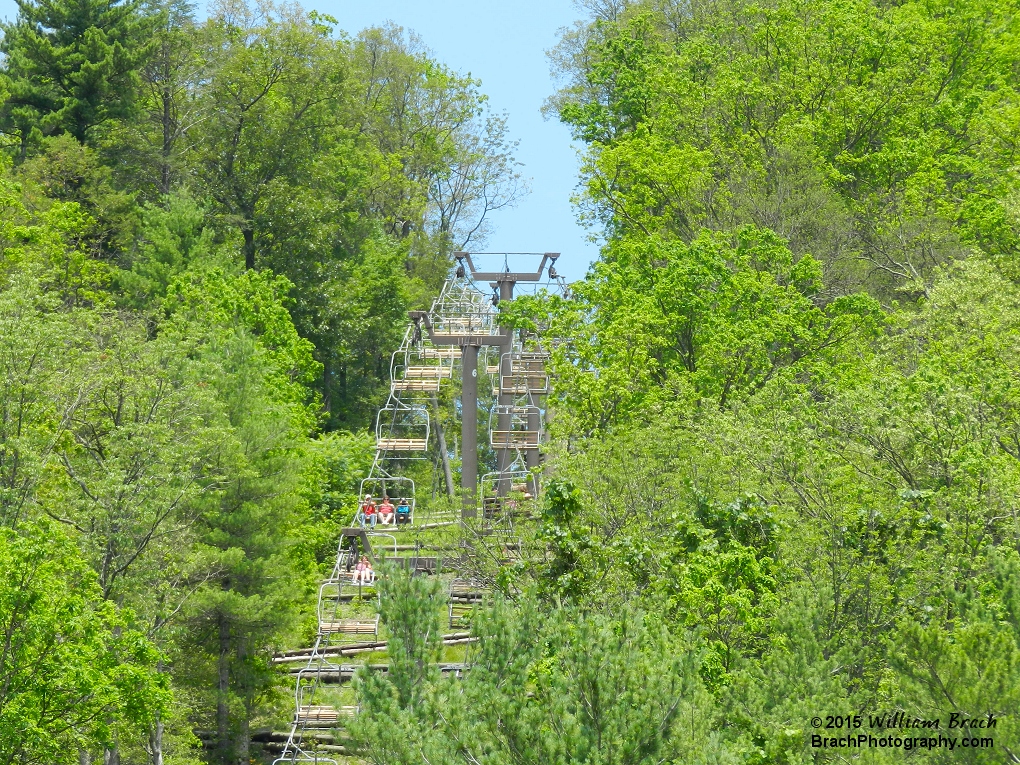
(401, 444)
(527, 366)
(323, 716)
(525, 383)
(416, 385)
(515, 439)
(427, 373)
(440, 353)
(349, 627)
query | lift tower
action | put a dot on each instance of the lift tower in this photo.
(503, 282)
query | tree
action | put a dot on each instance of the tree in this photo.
(557, 686)
(257, 366)
(273, 94)
(152, 153)
(697, 324)
(410, 609)
(72, 66)
(806, 118)
(456, 163)
(72, 674)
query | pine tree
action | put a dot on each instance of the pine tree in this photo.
(71, 65)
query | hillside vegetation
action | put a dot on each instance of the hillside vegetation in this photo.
(211, 233)
(785, 458)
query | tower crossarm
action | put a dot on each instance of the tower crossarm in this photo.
(453, 339)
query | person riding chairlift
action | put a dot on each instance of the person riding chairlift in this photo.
(363, 573)
(403, 512)
(367, 512)
(386, 512)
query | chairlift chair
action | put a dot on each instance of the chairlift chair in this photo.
(402, 427)
(520, 434)
(309, 711)
(394, 487)
(495, 487)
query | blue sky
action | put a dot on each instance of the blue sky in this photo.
(503, 44)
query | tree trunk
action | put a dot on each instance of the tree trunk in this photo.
(243, 735)
(222, 700)
(156, 742)
(327, 397)
(444, 455)
(168, 143)
(249, 246)
(84, 758)
(244, 738)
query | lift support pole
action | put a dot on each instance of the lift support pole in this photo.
(469, 432)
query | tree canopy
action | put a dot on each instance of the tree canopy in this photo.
(784, 426)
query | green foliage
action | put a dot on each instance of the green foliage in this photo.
(770, 498)
(664, 323)
(565, 543)
(872, 135)
(46, 242)
(561, 686)
(71, 66)
(73, 674)
(410, 608)
(172, 238)
(173, 449)
(211, 233)
(336, 463)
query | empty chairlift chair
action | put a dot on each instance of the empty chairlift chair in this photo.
(412, 371)
(402, 427)
(492, 362)
(351, 627)
(310, 711)
(445, 355)
(527, 374)
(464, 596)
(515, 427)
(462, 310)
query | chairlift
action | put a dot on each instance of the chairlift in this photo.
(417, 366)
(527, 375)
(396, 488)
(498, 490)
(402, 427)
(517, 431)
(309, 711)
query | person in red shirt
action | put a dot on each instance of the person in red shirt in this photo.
(386, 512)
(367, 514)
